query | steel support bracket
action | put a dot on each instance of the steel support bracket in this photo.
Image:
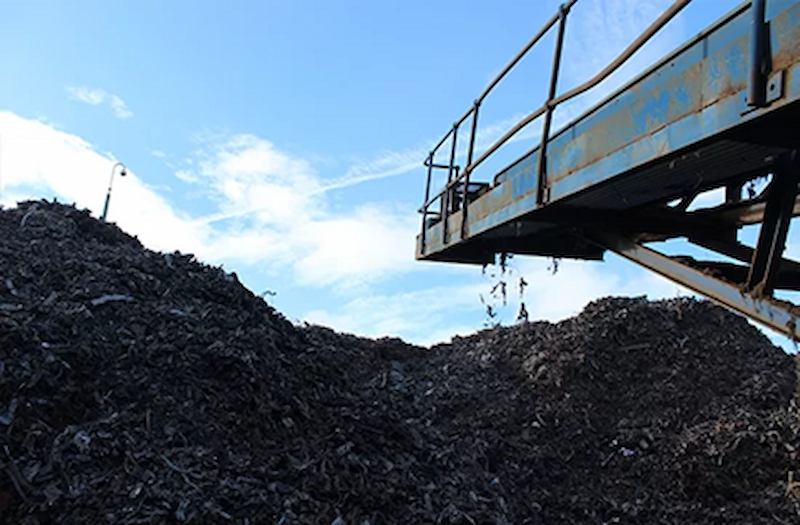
(775, 90)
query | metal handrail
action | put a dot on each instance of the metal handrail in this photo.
(519, 56)
(546, 108)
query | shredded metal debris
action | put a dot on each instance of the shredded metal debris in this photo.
(197, 402)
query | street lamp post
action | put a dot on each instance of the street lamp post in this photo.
(110, 182)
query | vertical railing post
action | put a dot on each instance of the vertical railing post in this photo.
(759, 55)
(447, 197)
(475, 107)
(468, 172)
(425, 205)
(542, 192)
(451, 174)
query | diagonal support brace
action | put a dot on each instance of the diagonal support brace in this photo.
(775, 314)
(777, 216)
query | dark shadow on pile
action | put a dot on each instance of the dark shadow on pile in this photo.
(139, 387)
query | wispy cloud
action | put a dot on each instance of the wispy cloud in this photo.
(394, 163)
(96, 97)
(384, 165)
(120, 109)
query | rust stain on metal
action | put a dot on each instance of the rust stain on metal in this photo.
(725, 73)
(497, 198)
(785, 29)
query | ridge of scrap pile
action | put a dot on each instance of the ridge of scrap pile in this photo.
(144, 387)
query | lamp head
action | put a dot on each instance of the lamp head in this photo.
(123, 172)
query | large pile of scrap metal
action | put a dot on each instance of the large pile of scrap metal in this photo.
(140, 387)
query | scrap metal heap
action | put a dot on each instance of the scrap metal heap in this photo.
(144, 387)
(718, 113)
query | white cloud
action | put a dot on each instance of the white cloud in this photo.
(372, 241)
(267, 195)
(96, 96)
(38, 160)
(120, 109)
(252, 178)
(271, 211)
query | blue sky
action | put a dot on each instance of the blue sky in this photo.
(284, 140)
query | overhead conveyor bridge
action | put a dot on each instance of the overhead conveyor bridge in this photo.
(721, 111)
